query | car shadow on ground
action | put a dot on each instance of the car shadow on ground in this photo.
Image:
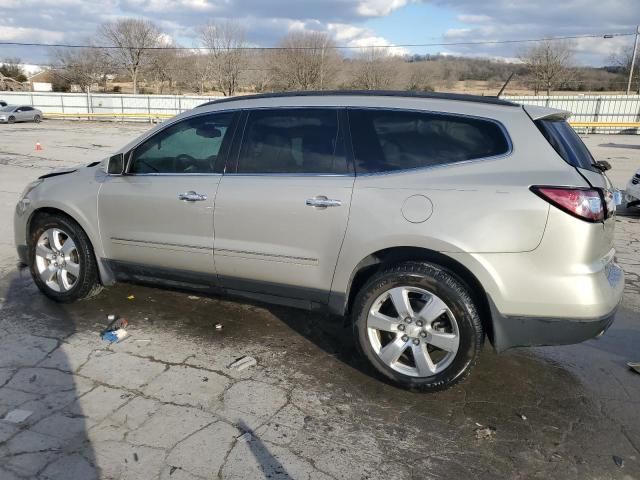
(48, 434)
(620, 145)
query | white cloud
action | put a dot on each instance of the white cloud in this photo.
(22, 34)
(509, 20)
(352, 36)
(379, 8)
(473, 18)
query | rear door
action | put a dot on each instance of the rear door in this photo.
(160, 214)
(282, 207)
(21, 114)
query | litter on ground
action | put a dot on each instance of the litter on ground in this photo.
(243, 363)
(485, 433)
(635, 366)
(17, 416)
(245, 437)
(115, 332)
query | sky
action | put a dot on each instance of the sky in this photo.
(349, 22)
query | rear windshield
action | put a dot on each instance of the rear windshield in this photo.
(567, 143)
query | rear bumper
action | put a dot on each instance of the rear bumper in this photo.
(522, 331)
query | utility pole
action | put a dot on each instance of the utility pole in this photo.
(633, 59)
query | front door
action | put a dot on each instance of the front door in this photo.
(159, 215)
(282, 207)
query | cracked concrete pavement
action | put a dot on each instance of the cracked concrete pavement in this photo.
(164, 403)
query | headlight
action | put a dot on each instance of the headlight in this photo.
(3, 117)
(29, 188)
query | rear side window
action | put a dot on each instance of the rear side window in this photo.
(567, 143)
(388, 140)
(293, 141)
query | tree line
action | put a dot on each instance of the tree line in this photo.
(136, 50)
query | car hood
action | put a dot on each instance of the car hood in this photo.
(58, 171)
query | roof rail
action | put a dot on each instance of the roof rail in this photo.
(370, 93)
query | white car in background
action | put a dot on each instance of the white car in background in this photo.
(632, 193)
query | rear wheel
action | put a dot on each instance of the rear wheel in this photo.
(417, 325)
(63, 264)
(37, 119)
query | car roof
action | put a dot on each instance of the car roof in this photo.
(369, 93)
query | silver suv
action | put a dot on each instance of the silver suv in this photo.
(429, 220)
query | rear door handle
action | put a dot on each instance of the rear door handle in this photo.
(322, 202)
(192, 196)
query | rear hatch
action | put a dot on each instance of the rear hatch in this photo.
(570, 147)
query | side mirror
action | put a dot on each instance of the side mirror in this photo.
(603, 165)
(115, 164)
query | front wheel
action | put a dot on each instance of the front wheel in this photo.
(11, 120)
(417, 325)
(63, 264)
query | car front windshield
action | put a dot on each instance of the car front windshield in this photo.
(8, 108)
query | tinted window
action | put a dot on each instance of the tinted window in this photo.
(292, 141)
(567, 143)
(26, 109)
(385, 140)
(189, 146)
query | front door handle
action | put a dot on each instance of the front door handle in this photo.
(322, 202)
(192, 196)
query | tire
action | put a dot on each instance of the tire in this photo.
(70, 268)
(37, 119)
(11, 120)
(449, 318)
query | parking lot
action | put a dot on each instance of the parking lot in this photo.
(165, 404)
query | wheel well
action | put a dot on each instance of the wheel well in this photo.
(381, 259)
(45, 211)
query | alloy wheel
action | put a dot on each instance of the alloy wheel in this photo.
(413, 331)
(57, 260)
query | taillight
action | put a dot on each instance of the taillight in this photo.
(583, 203)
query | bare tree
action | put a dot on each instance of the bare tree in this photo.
(375, 69)
(226, 48)
(306, 61)
(549, 62)
(84, 67)
(258, 75)
(163, 65)
(12, 68)
(418, 77)
(624, 61)
(133, 39)
(194, 71)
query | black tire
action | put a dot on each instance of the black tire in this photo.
(452, 292)
(87, 283)
(37, 119)
(11, 120)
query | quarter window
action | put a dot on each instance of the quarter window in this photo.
(292, 141)
(189, 146)
(388, 140)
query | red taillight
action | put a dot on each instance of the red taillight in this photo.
(583, 203)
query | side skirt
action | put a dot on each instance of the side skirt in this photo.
(210, 284)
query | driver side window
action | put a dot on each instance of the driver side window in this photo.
(189, 146)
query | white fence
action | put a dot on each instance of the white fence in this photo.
(594, 109)
(603, 113)
(130, 107)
